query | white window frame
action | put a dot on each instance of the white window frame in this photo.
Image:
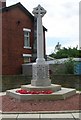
(27, 55)
(27, 36)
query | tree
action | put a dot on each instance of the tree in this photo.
(66, 52)
(69, 66)
(57, 47)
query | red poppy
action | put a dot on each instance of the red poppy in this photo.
(34, 92)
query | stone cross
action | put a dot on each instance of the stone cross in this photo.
(39, 12)
(40, 76)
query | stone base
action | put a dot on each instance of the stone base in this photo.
(60, 94)
(52, 87)
(40, 75)
(41, 82)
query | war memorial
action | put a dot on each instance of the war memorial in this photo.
(41, 87)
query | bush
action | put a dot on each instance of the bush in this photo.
(69, 66)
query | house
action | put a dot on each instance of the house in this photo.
(18, 38)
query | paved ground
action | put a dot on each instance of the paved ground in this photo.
(48, 116)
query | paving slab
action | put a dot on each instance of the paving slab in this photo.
(9, 116)
(28, 117)
(56, 116)
(61, 116)
(0, 116)
(77, 115)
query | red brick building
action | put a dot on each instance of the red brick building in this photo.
(18, 38)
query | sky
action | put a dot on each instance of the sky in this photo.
(61, 21)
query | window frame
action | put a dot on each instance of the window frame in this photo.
(25, 30)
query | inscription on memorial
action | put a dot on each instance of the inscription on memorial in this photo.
(40, 71)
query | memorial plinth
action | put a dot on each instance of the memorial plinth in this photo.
(40, 71)
(40, 75)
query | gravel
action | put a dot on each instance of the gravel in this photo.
(10, 104)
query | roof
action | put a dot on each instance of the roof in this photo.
(22, 8)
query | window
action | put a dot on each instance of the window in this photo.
(27, 38)
(27, 58)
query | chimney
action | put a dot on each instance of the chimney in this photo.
(2, 4)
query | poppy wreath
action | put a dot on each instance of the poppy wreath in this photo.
(34, 92)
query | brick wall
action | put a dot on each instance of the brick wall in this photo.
(2, 4)
(13, 22)
(14, 19)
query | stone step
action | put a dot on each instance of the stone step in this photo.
(61, 94)
(52, 87)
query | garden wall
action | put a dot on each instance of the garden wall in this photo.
(15, 81)
(70, 81)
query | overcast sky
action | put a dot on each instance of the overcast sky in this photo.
(61, 20)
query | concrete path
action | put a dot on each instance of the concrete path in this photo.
(35, 116)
